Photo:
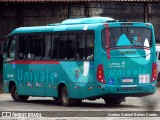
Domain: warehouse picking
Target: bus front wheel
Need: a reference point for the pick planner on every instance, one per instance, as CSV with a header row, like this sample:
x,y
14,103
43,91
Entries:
x,y
66,101
16,97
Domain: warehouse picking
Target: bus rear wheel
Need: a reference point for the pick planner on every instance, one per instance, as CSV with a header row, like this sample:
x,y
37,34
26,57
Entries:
x,y
16,97
65,100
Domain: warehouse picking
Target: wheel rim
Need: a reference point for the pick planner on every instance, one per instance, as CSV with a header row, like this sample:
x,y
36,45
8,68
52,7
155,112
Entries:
x,y
16,94
65,97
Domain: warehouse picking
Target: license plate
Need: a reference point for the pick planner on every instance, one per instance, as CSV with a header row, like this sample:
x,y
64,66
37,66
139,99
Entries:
x,y
144,78
127,80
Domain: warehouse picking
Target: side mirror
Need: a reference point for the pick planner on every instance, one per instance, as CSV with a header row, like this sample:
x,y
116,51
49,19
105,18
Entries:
x,y
4,47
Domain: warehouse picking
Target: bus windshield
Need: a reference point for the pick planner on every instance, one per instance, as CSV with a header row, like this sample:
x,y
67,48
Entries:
x,y
126,36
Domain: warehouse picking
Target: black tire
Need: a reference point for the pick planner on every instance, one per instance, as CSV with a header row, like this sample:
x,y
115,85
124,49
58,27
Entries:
x,y
113,100
16,97
65,100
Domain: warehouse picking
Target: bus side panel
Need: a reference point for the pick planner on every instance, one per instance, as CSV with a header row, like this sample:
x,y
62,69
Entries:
x,y
50,89
52,72
86,79
79,75
21,83
29,76
87,83
36,79
69,74
57,78
74,91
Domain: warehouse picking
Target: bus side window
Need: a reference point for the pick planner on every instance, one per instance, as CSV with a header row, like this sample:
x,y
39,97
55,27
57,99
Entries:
x,y
89,47
54,48
63,46
38,48
34,47
71,47
80,52
47,47
22,47
30,48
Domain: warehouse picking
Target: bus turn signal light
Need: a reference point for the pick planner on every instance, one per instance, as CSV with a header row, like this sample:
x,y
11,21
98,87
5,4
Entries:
x,y
100,74
154,72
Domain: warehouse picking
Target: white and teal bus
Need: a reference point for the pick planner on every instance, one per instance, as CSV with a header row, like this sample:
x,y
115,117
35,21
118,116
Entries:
x,y
85,58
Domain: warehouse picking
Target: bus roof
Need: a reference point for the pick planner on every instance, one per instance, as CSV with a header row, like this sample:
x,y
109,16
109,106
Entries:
x,y
75,24
91,20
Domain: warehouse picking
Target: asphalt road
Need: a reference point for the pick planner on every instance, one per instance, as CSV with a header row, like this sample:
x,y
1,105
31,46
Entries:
x,y
48,108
